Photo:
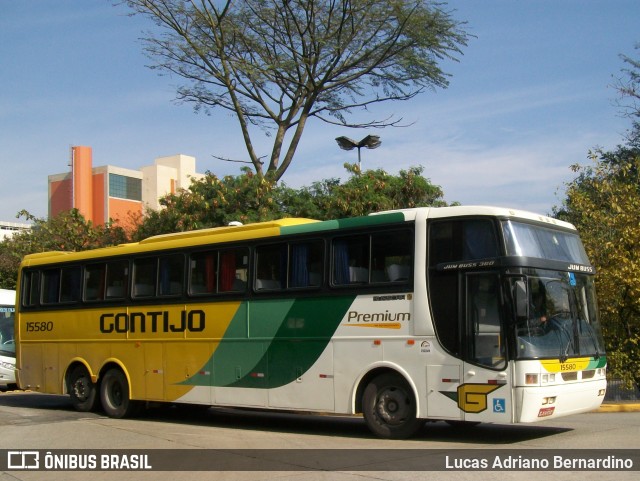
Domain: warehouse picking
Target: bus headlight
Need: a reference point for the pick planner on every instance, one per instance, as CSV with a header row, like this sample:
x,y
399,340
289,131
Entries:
x,y
531,378
546,378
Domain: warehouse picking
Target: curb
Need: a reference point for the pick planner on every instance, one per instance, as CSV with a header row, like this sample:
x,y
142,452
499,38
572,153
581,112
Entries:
x,y
619,408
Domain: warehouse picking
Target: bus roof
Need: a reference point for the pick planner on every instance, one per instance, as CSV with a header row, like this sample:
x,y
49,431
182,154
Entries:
x,y
279,227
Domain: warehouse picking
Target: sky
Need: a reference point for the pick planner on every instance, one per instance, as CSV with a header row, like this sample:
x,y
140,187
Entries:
x,y
530,96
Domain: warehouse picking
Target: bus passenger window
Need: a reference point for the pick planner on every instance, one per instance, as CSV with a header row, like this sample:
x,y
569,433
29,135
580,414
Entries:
x,y
30,288
233,270
144,277
94,282
271,267
306,264
171,275
203,275
117,279
50,286
70,284
391,258
351,260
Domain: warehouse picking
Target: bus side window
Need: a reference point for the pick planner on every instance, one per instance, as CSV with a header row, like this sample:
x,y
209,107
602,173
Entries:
x,y
50,286
392,258
306,264
117,279
30,288
351,260
94,282
144,277
234,267
271,262
171,275
70,284
203,273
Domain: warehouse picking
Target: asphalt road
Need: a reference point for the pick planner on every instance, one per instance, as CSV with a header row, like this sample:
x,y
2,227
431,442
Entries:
x,y
31,421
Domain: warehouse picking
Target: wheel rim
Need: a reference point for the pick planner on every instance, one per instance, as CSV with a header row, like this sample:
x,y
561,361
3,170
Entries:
x,y
393,406
81,389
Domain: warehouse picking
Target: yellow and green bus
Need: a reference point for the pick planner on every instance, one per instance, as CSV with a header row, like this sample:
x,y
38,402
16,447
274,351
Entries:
x,y
460,314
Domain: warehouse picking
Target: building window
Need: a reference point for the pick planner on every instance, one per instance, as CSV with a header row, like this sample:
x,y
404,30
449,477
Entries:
x,y
125,187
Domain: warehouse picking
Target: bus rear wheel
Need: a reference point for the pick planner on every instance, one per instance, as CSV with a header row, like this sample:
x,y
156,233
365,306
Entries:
x,y
389,407
83,392
114,395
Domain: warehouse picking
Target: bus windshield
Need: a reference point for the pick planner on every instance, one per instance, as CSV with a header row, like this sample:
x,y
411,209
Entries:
x,y
527,240
562,318
7,343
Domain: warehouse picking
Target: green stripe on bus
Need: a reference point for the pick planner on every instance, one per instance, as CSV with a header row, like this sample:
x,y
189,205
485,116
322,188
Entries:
x,y
366,221
283,342
598,362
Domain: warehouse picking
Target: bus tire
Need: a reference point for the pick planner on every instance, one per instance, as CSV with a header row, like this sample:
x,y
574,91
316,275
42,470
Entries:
x,y
82,391
389,407
114,395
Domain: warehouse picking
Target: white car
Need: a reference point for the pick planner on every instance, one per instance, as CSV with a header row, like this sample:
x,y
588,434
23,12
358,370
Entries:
x,y
7,341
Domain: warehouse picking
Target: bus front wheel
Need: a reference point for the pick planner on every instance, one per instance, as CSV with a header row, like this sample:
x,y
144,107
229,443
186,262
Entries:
x,y
389,407
114,395
83,392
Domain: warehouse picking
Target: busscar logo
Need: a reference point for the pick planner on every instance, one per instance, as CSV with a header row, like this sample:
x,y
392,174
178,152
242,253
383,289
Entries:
x,y
23,460
472,398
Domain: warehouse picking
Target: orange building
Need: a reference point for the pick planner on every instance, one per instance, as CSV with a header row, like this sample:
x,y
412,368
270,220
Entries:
x,y
109,192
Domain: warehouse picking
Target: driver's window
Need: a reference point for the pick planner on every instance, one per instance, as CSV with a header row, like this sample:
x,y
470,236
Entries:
x,y
485,344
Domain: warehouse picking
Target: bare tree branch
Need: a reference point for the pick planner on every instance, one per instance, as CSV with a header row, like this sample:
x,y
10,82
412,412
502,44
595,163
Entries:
x,y
276,64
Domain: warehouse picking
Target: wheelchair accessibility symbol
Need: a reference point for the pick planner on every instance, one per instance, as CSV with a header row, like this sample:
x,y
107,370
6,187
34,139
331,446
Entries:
x,y
499,405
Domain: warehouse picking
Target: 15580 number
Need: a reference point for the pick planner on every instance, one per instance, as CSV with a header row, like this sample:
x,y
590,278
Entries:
x,y
42,326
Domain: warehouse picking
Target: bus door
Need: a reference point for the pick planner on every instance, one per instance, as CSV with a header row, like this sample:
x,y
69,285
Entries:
x,y
485,390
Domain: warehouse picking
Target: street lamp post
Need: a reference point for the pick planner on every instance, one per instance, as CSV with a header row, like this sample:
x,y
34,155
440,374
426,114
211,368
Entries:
x,y
370,142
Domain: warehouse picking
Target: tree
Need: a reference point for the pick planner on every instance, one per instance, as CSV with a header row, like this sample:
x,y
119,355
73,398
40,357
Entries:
x,y
365,192
214,202
277,64
628,88
247,198
603,202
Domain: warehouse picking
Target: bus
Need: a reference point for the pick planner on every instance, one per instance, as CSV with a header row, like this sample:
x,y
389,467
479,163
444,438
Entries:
x,y
7,341
459,314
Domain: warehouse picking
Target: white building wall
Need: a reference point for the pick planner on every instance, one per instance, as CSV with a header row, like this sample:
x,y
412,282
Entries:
x,y
157,179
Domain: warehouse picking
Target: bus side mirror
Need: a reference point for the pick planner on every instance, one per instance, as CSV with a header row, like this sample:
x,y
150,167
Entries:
x,y
521,297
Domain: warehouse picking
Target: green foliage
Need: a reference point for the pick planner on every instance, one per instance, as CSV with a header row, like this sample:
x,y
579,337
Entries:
x,y
213,202
369,191
248,198
603,202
